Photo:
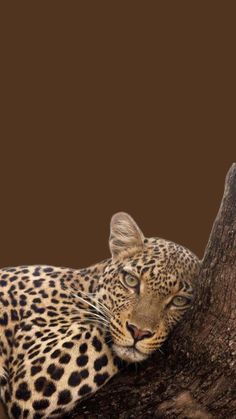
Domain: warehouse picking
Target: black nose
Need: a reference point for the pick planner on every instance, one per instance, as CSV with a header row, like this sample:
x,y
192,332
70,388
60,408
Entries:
x,y
138,334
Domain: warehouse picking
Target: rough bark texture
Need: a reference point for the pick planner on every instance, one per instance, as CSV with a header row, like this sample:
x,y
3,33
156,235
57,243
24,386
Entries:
x,y
195,376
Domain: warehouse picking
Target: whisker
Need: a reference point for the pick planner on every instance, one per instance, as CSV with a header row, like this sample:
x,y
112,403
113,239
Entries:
x,y
96,301
91,313
109,341
98,318
87,302
96,322
91,296
94,316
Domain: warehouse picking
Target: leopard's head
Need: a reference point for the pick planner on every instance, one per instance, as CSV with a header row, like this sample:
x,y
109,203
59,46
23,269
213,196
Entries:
x,y
148,285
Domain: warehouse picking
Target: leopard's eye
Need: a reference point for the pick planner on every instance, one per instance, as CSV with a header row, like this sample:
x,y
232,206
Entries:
x,y
131,281
180,301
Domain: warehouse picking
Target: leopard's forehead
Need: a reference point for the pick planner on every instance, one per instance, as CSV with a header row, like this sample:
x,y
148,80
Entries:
x,y
161,261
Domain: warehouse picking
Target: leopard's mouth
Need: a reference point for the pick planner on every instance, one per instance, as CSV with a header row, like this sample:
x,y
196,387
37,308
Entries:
x,y
129,353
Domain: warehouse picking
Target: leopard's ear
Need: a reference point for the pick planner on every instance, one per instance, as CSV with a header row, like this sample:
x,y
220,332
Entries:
x,y
124,234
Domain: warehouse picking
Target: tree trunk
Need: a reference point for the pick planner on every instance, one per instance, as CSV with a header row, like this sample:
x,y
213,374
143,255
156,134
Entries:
x,y
195,376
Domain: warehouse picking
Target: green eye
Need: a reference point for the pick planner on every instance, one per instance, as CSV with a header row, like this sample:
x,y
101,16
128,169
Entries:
x,y
180,301
131,281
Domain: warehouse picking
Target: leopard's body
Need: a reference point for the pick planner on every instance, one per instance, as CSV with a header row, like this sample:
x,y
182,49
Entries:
x,y
63,332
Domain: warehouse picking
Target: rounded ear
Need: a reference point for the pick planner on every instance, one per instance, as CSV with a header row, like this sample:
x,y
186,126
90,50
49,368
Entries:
x,y
124,234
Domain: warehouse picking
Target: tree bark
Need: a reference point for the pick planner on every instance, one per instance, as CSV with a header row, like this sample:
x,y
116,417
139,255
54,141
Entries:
x,y
195,375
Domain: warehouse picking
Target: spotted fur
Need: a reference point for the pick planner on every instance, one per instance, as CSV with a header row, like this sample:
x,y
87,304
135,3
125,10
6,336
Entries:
x,y
64,332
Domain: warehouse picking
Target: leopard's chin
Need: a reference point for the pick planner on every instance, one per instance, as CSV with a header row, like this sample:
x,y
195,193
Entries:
x,y
128,353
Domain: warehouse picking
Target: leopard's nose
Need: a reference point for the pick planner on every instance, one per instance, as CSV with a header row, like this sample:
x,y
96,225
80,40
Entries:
x,y
138,334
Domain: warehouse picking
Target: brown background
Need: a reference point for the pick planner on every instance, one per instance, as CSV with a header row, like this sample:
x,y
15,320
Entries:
x,y
107,107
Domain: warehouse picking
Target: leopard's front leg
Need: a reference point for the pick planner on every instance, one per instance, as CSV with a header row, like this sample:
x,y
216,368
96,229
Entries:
x,y
51,382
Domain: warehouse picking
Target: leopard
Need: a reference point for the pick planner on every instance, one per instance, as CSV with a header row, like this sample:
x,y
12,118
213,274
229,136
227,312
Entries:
x,y
64,333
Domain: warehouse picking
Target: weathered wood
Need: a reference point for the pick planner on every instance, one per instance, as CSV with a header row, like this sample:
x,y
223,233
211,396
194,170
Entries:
x,y
195,376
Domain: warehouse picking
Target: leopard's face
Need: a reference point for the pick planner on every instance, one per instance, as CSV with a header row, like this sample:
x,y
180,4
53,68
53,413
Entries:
x,y
148,287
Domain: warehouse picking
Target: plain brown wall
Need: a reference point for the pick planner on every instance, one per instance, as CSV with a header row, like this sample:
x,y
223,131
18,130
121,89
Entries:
x,y
113,106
